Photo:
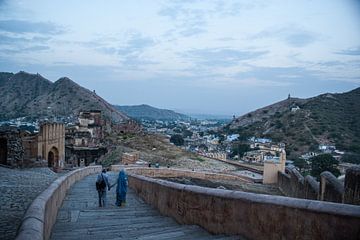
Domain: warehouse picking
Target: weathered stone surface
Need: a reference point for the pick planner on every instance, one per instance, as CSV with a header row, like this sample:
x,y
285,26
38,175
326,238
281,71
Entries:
x,y
45,207
311,188
254,216
330,188
352,186
18,189
81,218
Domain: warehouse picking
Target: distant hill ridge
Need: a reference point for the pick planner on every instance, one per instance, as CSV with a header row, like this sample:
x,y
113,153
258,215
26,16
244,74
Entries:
x,y
144,111
325,119
31,95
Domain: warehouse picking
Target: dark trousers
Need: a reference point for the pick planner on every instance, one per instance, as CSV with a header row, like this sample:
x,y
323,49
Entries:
x,y
102,198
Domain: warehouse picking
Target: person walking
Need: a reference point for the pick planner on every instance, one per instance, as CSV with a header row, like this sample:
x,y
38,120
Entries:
x,y
121,189
102,184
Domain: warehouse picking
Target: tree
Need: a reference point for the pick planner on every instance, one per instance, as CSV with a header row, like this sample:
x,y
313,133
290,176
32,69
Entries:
x,y
324,162
177,139
239,149
187,133
351,158
300,163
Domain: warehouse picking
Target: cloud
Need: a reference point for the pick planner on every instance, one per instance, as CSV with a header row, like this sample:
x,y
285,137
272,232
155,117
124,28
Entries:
x,y
277,76
235,8
187,20
132,52
300,39
136,44
13,45
221,56
292,36
21,27
350,51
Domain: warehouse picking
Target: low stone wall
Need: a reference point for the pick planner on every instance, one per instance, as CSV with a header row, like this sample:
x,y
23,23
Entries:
x,y
172,172
293,184
330,188
352,186
254,216
41,215
311,188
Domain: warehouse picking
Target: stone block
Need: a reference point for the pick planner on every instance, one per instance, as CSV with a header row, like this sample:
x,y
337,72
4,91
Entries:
x,y
352,186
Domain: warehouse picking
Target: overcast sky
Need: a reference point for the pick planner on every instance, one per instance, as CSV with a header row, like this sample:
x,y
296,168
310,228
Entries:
x,y
220,57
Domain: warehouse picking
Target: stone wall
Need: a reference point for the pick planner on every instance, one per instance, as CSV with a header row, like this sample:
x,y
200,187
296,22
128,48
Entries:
x,y
13,149
331,189
352,186
171,172
254,216
41,215
293,184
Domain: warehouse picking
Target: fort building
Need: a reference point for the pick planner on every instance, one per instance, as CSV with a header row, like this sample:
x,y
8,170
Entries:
x,y
24,149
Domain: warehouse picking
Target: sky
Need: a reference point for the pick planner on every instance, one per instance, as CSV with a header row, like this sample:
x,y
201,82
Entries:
x,y
212,56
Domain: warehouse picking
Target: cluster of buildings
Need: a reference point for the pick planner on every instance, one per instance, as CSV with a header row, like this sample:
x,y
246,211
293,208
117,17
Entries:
x,y
57,143
263,150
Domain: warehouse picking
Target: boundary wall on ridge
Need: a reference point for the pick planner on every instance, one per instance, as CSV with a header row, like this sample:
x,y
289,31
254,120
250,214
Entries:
x,y
173,172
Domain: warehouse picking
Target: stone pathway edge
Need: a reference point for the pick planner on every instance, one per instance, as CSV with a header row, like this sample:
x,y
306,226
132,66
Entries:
x,y
41,215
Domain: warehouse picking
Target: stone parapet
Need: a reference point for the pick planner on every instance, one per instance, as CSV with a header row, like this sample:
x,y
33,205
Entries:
x,y
254,216
352,186
171,172
41,215
330,188
311,188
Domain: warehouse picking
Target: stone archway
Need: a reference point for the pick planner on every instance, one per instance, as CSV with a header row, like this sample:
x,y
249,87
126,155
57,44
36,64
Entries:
x,y
3,151
53,157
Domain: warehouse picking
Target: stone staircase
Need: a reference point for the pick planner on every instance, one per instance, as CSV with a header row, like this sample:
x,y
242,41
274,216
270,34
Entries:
x,y
81,218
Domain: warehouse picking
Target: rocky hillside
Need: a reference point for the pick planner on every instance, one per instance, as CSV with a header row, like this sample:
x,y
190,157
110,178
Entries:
x,y
325,119
151,113
31,95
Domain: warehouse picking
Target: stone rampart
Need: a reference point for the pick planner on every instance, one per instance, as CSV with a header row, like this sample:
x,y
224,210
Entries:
x,y
254,216
311,188
330,188
41,215
171,172
352,186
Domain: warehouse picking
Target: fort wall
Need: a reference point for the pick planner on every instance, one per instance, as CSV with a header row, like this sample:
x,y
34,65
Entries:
x,y
254,216
41,215
293,184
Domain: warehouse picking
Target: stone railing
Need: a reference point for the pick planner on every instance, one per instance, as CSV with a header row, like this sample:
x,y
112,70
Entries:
x,y
173,172
41,215
293,184
254,216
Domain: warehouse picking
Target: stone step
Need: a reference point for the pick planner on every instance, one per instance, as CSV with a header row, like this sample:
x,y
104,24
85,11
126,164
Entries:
x,y
81,218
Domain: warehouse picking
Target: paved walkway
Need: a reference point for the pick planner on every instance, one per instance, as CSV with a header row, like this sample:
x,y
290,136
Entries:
x,y
18,188
81,218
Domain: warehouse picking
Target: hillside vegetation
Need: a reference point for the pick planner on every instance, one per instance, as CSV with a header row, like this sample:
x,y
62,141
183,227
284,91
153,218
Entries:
x,y
151,113
325,119
31,95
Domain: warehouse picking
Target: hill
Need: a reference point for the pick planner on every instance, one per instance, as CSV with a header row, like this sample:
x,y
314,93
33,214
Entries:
x,y
31,95
151,113
325,119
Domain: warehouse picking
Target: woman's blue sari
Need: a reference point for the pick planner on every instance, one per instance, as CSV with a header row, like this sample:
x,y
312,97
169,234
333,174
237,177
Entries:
x,y
121,188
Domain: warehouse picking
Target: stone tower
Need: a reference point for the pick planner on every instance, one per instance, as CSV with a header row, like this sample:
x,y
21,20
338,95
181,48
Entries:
x,y
272,167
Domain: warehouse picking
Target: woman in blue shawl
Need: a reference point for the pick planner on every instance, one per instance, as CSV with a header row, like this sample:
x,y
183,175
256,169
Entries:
x,y
121,188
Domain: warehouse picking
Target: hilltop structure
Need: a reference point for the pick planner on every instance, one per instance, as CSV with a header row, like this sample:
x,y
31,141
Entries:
x,y
84,141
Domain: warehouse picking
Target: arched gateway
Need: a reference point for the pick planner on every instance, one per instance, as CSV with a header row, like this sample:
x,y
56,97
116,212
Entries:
x,y
3,151
53,157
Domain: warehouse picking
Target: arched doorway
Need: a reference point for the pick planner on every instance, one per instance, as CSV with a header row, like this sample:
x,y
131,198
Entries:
x,y
53,157
3,151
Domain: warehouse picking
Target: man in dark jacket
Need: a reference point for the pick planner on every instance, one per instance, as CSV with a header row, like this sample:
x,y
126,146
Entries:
x,y
102,184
